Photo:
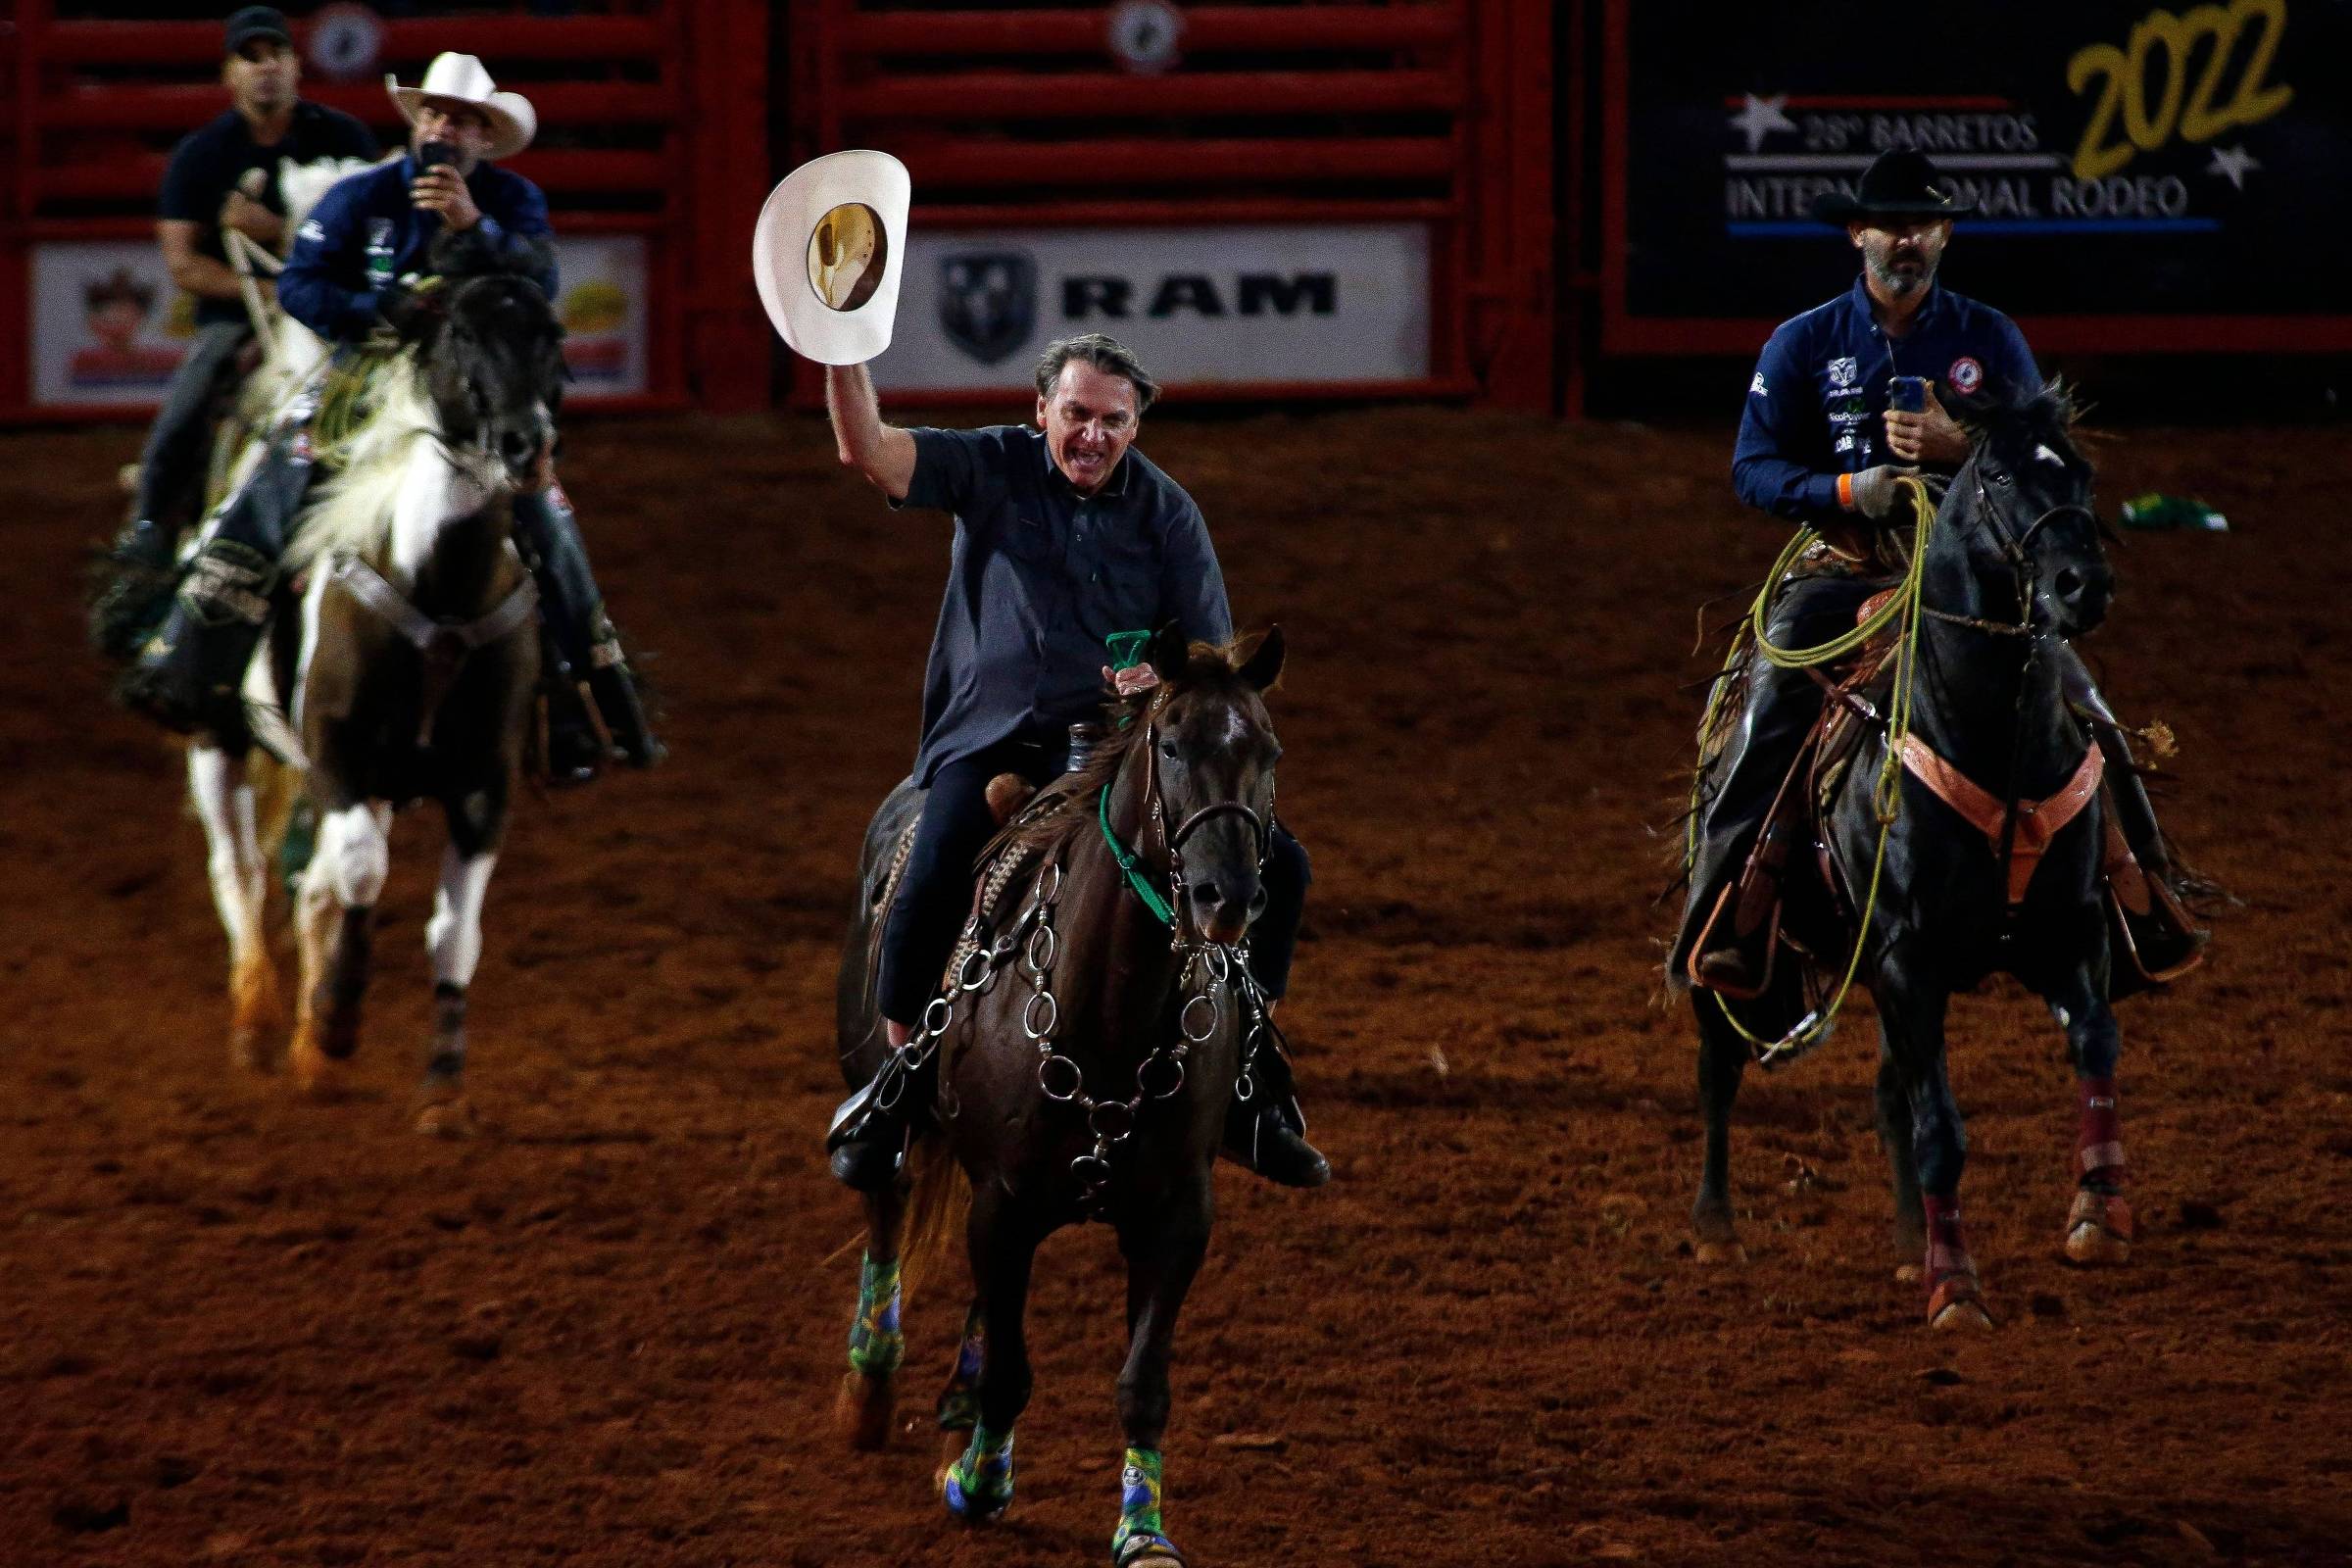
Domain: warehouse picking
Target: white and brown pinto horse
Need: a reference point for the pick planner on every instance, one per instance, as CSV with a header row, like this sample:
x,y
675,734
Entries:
x,y
409,675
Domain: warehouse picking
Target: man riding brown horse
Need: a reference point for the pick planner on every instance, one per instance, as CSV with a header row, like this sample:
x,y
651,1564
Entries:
x,y
1065,535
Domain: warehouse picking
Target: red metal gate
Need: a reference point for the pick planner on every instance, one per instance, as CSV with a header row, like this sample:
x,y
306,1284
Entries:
x,y
1020,126
644,110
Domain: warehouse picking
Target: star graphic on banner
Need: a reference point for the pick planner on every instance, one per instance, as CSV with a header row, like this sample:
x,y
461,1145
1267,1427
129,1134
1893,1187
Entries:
x,y
2232,163
1761,117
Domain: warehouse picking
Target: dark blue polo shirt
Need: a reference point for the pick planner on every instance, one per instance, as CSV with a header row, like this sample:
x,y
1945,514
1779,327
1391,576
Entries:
x,y
1817,402
1039,575
209,162
326,284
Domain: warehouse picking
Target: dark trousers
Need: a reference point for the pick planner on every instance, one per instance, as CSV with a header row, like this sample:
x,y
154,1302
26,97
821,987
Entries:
x,y
935,892
1782,705
172,465
578,633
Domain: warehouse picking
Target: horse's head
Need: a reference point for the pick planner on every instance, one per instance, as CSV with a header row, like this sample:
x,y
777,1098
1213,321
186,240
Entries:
x,y
489,352
1212,756
2024,494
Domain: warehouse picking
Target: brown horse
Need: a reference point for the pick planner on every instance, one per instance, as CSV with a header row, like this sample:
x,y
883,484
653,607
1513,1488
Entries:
x,y
418,659
1091,1046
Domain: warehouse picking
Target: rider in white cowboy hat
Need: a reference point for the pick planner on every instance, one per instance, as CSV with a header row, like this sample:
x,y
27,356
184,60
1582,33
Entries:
x,y
368,231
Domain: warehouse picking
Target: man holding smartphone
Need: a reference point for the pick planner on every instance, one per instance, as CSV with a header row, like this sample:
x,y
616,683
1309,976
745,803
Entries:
x,y
1843,404
361,238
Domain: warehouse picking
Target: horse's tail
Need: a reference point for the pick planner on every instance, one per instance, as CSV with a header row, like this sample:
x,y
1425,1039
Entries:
x,y
936,1211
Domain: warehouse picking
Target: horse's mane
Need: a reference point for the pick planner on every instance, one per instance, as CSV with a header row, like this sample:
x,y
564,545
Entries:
x,y
2049,409
352,511
1207,666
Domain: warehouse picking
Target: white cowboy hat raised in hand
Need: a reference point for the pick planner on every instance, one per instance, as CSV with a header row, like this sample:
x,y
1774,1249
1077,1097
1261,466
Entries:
x,y
827,254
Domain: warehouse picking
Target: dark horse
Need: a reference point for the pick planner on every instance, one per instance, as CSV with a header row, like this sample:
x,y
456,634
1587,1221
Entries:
x,y
1993,858
1091,1046
418,659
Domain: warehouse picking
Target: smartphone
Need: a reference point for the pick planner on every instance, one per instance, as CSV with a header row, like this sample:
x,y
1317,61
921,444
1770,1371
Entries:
x,y
1907,394
436,152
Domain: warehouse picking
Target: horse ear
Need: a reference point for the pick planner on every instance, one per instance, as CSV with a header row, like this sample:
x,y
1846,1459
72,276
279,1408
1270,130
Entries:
x,y
1263,667
1170,654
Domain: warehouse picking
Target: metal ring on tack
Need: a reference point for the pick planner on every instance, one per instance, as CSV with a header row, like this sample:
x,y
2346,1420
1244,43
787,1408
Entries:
x,y
1044,936
1174,1066
1045,1079
937,1016
1183,1019
1214,958
1244,1088
965,980
1029,1015
1111,1121
1090,1171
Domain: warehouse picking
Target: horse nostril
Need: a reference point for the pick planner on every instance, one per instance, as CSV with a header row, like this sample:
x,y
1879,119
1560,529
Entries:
x,y
517,446
1207,894
1257,901
2070,583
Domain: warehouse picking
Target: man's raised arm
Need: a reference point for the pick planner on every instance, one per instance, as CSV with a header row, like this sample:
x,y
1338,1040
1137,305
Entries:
x,y
883,452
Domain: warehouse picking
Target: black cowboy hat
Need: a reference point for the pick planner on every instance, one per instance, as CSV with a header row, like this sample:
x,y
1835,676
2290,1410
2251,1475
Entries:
x,y
1898,184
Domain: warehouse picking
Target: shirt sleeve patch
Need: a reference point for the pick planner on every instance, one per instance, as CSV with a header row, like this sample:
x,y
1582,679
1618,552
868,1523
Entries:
x,y
1757,388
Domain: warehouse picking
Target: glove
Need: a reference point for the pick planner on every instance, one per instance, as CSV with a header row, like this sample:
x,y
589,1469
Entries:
x,y
1873,492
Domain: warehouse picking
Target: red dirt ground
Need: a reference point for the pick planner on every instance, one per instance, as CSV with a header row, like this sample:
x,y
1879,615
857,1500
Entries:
x,y
241,1329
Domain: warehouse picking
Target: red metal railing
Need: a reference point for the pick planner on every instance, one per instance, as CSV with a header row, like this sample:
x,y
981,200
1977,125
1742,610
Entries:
x,y
1436,112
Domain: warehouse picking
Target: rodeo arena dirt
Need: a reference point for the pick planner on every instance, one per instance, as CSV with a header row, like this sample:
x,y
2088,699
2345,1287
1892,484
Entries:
x,y
261,1309
608,1328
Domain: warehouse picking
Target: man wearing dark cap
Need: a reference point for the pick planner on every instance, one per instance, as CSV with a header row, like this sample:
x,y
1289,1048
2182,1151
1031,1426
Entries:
x,y
224,176
1822,444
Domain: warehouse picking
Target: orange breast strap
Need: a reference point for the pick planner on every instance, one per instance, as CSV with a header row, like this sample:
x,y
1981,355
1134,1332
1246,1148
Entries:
x,y
2037,821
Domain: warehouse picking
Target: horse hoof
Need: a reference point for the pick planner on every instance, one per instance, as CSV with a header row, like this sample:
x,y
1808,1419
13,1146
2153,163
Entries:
x,y
865,1407
1719,1255
316,1075
252,1049
971,1507
2098,1231
1962,1317
450,1118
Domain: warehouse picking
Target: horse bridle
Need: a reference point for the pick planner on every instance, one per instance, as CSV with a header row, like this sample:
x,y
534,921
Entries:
x,y
2014,547
1260,827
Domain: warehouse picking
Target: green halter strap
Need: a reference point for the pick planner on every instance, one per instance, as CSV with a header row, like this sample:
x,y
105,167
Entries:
x,y
1127,652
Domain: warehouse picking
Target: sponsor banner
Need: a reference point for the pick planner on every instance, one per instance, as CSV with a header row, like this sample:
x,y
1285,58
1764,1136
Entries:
x,y
109,327
2184,164
1338,304
601,298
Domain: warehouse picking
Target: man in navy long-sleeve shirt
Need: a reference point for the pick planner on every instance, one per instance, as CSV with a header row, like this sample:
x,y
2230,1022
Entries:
x,y
1065,535
367,232
1820,445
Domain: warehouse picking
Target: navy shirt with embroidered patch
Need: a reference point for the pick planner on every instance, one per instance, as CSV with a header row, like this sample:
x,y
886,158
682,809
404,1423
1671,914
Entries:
x,y
1817,404
326,285
209,162
1039,575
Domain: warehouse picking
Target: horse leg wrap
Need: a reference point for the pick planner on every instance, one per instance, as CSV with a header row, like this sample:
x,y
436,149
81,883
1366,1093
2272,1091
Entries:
x,y
876,1344
979,1486
959,1401
447,1059
1951,1274
2099,1136
1140,1489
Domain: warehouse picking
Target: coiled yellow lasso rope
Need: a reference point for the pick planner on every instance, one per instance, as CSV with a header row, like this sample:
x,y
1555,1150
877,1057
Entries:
x,y
1903,608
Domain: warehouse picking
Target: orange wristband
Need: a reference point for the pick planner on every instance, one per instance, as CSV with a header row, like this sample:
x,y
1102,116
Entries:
x,y
1846,491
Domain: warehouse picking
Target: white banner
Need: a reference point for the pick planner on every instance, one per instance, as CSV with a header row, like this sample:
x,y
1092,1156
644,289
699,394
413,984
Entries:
x,y
601,298
109,327
1334,303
